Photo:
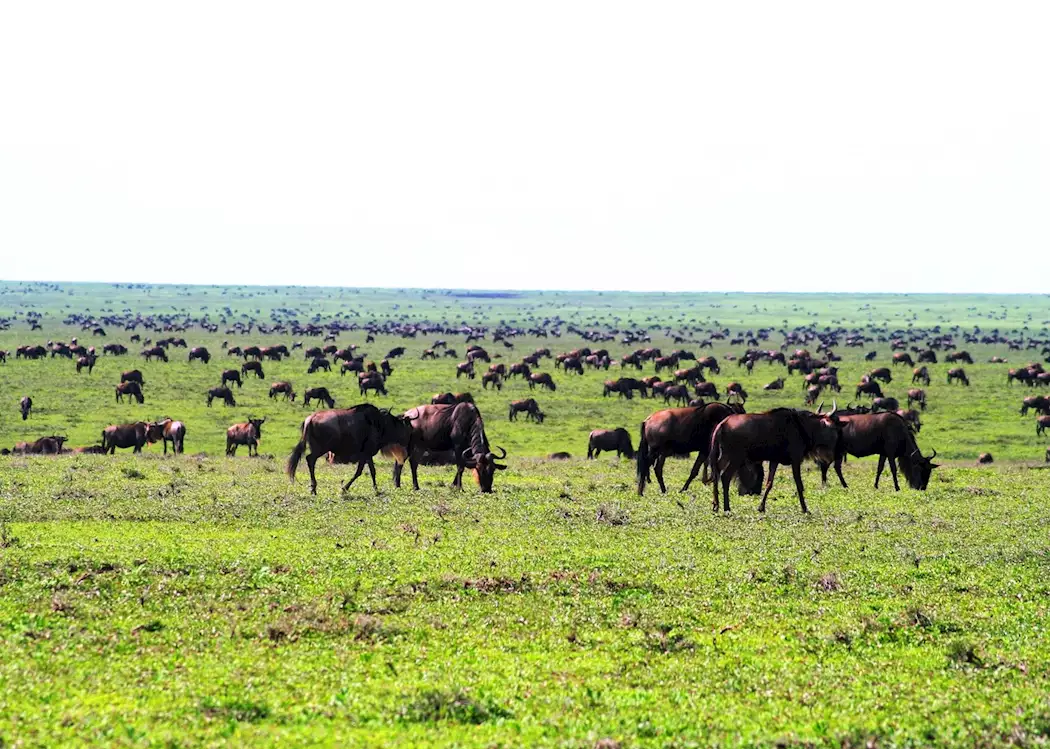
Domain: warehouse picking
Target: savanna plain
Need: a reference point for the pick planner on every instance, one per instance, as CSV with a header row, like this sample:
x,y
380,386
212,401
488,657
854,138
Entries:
x,y
200,599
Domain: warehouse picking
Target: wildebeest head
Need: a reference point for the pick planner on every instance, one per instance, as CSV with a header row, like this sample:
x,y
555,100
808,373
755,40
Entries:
x,y
485,467
920,469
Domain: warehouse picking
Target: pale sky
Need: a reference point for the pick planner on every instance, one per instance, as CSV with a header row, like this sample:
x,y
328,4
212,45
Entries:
x,y
780,146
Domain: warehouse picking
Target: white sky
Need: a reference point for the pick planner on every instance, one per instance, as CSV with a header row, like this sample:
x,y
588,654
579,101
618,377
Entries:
x,y
893,146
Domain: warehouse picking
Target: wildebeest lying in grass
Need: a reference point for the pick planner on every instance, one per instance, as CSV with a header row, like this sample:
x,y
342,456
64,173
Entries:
x,y
459,428
527,406
610,440
888,436
248,433
130,389
222,392
124,436
44,446
25,406
165,431
783,436
351,435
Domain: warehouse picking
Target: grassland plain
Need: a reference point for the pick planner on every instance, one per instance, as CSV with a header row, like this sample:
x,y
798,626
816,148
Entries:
x,y
205,600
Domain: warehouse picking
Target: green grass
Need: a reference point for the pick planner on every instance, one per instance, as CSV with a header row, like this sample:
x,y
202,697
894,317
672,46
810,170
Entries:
x,y
204,600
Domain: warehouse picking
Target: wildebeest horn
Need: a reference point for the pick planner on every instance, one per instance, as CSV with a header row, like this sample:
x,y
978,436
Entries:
x,y
500,457
834,406
934,455
820,407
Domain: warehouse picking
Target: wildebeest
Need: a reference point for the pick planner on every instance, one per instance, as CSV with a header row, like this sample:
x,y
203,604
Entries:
x,y
963,356
783,436
458,428
903,358
371,381
396,352
44,446
957,375
1041,424
491,378
25,406
465,368
888,436
529,407
221,392
624,386
706,390
199,353
869,388
85,361
917,395
812,393
543,379
253,366
610,440
319,394
231,375
133,375
559,456
114,348
521,368
247,433
733,389
124,436
317,363
679,393
920,374
351,435
385,368
985,458
885,404
451,398
911,417
678,432
354,365
131,389
1038,403
166,430
882,373
155,352
777,384
282,388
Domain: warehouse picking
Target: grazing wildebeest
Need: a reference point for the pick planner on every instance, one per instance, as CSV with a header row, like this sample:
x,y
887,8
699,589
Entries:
x,y
903,358
124,436
166,430
131,389
396,352
248,433
429,354
885,404
917,395
783,436
25,406
692,374
777,384
521,368
958,374
44,446
253,351
458,428
963,356
733,388
319,394
371,381
155,352
133,375
231,375
911,416
317,363
465,368
543,379
1041,424
679,393
1024,375
869,388
253,366
351,435
491,378
888,436
920,374
706,390
624,386
85,361
385,368
354,365
285,388
871,356
199,353
679,432
221,392
882,373
610,440
1039,403
529,407
235,351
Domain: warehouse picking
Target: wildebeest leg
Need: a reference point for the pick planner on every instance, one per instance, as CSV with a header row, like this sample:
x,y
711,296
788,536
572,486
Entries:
x,y
878,471
413,464
311,460
796,471
769,485
700,458
823,474
838,470
893,472
360,468
372,470
658,469
397,474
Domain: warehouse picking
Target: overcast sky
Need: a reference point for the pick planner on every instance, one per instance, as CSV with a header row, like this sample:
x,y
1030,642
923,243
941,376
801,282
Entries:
x,y
895,146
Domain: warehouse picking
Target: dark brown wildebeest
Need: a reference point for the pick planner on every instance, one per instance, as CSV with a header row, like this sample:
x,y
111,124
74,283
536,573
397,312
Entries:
x,y
124,436
783,436
677,432
958,374
1024,375
903,358
624,387
491,378
396,352
317,363
911,416
133,375
1041,424
231,375
131,389
44,446
85,361
90,450
812,393
871,356
354,365
157,352
285,388
920,374
253,366
465,368
885,404
25,406
476,353
429,354
1039,403
459,428
385,368
888,436
351,435
734,389
543,379
927,356
572,364
442,399
371,367
678,393
253,351
692,374
997,360
371,381
248,433
610,440
665,362
521,368
706,390
917,395
869,388
529,407
200,353
777,384
166,430
221,392
235,351
882,373
957,356
313,352
559,456
985,459
318,394
274,353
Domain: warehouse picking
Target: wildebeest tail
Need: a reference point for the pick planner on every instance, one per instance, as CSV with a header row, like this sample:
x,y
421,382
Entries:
x,y
714,456
297,453
642,457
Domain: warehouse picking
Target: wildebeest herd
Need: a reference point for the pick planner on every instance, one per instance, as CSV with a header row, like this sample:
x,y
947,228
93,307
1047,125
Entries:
x,y
728,441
